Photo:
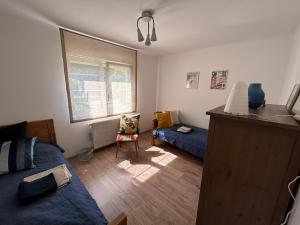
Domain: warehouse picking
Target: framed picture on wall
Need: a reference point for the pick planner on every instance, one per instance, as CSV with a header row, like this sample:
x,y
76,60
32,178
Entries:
x,y
192,80
218,79
293,97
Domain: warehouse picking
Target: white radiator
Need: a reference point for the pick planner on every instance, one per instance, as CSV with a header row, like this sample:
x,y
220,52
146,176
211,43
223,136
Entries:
x,y
104,133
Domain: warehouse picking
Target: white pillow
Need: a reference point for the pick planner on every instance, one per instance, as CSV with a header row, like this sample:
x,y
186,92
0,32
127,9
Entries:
x,y
175,117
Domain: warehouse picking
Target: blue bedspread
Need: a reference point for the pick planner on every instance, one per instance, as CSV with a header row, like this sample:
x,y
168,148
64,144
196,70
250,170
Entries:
x,y
193,142
70,205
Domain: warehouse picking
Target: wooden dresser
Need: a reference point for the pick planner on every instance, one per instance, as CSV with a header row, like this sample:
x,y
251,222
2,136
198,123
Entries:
x,y
247,167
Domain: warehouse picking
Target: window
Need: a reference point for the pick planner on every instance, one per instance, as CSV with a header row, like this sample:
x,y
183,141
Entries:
x,y
100,77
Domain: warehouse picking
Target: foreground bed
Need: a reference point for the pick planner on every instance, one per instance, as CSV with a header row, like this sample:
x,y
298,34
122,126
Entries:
x,y
70,205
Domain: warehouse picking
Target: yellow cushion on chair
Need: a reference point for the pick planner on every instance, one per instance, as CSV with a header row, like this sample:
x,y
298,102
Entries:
x,y
163,119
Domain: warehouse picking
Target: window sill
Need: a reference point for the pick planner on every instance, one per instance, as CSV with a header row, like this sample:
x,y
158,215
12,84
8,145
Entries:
x,y
96,120
104,119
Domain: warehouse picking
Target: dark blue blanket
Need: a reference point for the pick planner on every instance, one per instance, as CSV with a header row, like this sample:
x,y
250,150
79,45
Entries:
x,y
70,205
193,142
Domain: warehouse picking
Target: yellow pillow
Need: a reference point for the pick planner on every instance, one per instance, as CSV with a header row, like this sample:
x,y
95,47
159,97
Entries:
x,y
163,119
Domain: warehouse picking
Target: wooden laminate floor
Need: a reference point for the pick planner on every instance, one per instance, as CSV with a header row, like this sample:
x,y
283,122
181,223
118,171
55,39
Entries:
x,y
161,187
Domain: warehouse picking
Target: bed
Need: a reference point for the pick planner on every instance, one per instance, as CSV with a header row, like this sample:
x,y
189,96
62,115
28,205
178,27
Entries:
x,y
193,142
70,205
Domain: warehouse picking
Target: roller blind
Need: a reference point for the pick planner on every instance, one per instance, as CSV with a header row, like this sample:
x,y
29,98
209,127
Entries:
x,y
100,77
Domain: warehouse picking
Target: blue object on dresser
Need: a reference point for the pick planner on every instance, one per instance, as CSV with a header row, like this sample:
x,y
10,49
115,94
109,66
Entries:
x,y
69,205
193,142
256,95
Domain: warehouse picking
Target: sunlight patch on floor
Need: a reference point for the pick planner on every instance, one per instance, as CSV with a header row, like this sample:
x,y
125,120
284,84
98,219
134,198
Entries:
x,y
147,174
124,164
143,171
164,158
138,169
155,148
167,159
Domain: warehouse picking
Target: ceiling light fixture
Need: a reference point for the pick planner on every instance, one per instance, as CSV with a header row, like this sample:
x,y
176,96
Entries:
x,y
146,17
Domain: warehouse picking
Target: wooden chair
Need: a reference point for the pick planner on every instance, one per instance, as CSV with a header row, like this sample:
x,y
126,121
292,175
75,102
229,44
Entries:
x,y
127,138
129,131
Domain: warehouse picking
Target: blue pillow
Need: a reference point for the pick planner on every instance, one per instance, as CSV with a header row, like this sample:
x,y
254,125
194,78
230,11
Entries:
x,y
13,132
30,191
16,155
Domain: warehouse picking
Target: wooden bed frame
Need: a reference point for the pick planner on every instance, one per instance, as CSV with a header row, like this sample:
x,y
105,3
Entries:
x,y
42,129
121,219
45,132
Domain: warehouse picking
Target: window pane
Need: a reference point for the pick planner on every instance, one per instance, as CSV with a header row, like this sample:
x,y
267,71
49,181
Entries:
x,y
120,98
101,77
87,90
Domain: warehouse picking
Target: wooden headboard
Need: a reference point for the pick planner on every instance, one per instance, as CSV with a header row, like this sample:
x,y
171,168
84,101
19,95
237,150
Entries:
x,y
42,129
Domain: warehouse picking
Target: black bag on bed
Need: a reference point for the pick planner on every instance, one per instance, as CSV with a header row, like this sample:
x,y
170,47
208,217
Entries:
x,y
30,191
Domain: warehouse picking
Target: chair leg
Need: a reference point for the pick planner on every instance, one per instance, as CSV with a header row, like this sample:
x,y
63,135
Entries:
x,y
153,141
118,146
136,149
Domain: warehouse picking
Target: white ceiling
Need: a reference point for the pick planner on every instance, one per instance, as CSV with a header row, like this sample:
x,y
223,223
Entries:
x,y
180,24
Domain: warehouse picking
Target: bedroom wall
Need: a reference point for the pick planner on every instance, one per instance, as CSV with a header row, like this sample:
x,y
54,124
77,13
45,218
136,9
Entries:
x,y
262,60
293,69
32,83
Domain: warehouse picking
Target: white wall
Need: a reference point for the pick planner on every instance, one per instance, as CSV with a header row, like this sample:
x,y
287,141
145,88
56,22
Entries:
x,y
293,69
262,60
32,83
146,89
